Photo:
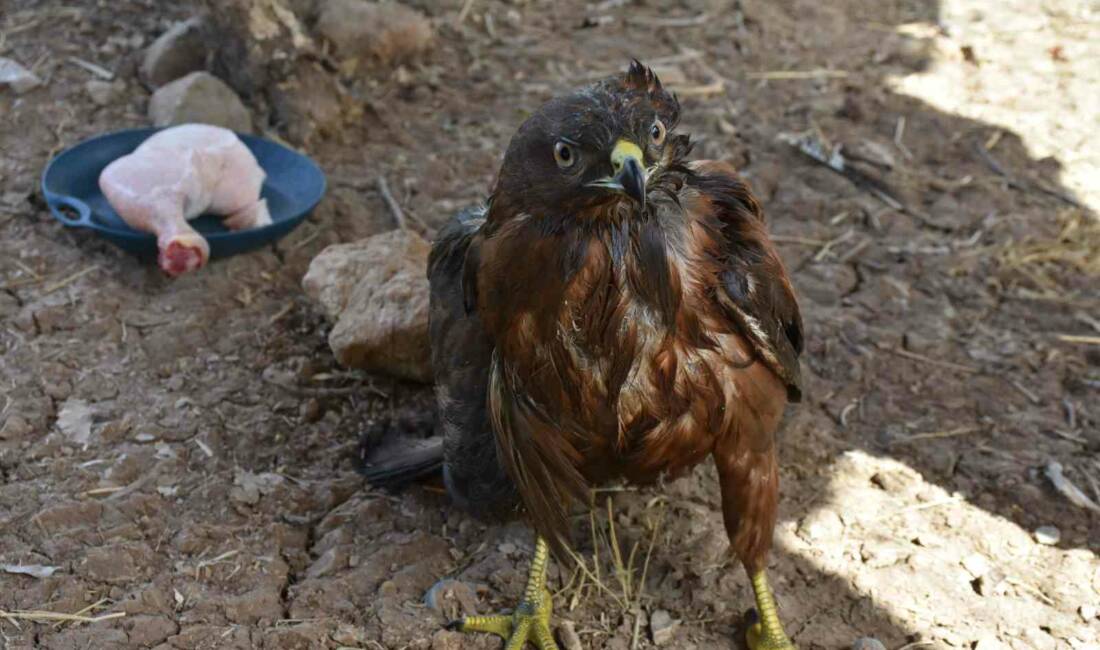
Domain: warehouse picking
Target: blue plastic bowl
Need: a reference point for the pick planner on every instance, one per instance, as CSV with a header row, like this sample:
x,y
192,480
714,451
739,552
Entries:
x,y
293,187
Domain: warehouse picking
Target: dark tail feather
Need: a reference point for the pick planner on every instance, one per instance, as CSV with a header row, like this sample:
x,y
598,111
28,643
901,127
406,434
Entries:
x,y
401,461
396,450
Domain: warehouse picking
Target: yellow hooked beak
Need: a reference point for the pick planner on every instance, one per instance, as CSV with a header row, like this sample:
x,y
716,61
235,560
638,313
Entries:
x,y
629,178
627,161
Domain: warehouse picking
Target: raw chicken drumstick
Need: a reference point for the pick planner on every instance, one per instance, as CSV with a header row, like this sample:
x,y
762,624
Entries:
x,y
179,174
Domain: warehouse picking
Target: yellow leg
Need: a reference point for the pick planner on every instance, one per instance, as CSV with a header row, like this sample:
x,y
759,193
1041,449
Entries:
x,y
530,622
767,633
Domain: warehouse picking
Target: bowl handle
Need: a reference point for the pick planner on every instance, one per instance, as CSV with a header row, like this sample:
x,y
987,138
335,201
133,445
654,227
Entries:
x,y
83,210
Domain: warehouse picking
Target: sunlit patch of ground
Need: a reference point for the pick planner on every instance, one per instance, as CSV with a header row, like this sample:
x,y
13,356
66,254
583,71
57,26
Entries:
x,y
962,588
1029,67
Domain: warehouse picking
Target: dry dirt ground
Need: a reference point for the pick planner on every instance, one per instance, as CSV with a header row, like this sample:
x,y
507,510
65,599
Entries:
x,y
214,502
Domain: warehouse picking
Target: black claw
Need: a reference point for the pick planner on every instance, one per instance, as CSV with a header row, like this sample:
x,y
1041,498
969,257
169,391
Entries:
x,y
752,617
455,625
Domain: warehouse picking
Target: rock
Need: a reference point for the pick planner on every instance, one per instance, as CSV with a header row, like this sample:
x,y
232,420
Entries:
x,y
388,32
567,635
376,290
75,421
199,97
177,52
248,487
452,598
1048,535
34,570
662,627
330,562
103,92
867,643
821,525
16,77
312,103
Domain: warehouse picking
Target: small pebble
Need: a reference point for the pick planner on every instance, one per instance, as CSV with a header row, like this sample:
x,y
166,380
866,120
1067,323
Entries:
x,y
661,626
310,410
868,643
567,634
103,92
1048,535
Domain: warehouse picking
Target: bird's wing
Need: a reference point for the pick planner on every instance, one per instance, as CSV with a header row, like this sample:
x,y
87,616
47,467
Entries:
x,y
462,354
753,287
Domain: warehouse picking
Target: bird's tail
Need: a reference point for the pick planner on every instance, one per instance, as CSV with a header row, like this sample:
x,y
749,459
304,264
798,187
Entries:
x,y
392,454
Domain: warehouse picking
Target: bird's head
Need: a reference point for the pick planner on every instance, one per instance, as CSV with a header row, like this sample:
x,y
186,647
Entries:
x,y
591,151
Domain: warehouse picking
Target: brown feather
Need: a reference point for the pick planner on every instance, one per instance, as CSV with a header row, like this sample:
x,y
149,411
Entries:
x,y
627,343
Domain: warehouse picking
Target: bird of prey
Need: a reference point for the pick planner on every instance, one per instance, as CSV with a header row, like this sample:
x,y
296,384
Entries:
x,y
613,311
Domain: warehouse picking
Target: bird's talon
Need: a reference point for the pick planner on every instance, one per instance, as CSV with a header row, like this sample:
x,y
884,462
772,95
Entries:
x,y
757,638
529,624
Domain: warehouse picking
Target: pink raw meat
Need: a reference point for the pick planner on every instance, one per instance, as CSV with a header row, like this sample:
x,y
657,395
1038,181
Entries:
x,y
179,174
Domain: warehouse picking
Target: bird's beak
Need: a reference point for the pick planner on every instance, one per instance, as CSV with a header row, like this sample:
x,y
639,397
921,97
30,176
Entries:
x,y
626,160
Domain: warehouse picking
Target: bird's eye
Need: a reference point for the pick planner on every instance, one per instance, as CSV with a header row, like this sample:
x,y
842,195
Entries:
x,y
564,155
657,132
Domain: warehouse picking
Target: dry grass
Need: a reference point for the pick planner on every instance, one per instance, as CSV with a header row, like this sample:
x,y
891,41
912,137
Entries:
x,y
1075,248
618,575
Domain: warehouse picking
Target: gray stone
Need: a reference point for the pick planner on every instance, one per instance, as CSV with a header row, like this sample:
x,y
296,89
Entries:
x,y
177,52
867,643
376,291
388,32
201,98
16,77
103,92
662,627
452,598
1048,535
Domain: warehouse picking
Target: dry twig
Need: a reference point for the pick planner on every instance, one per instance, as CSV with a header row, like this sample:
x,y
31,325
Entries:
x,y
97,70
1066,488
783,75
391,203
930,435
1083,340
64,282
40,615
935,362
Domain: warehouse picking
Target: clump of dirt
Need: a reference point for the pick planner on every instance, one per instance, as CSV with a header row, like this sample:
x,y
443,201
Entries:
x,y
212,502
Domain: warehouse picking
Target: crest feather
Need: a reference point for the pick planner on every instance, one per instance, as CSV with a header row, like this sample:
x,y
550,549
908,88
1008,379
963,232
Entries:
x,y
642,77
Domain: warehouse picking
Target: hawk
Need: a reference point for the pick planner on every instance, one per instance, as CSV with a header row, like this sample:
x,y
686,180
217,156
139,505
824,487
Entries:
x,y
614,311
